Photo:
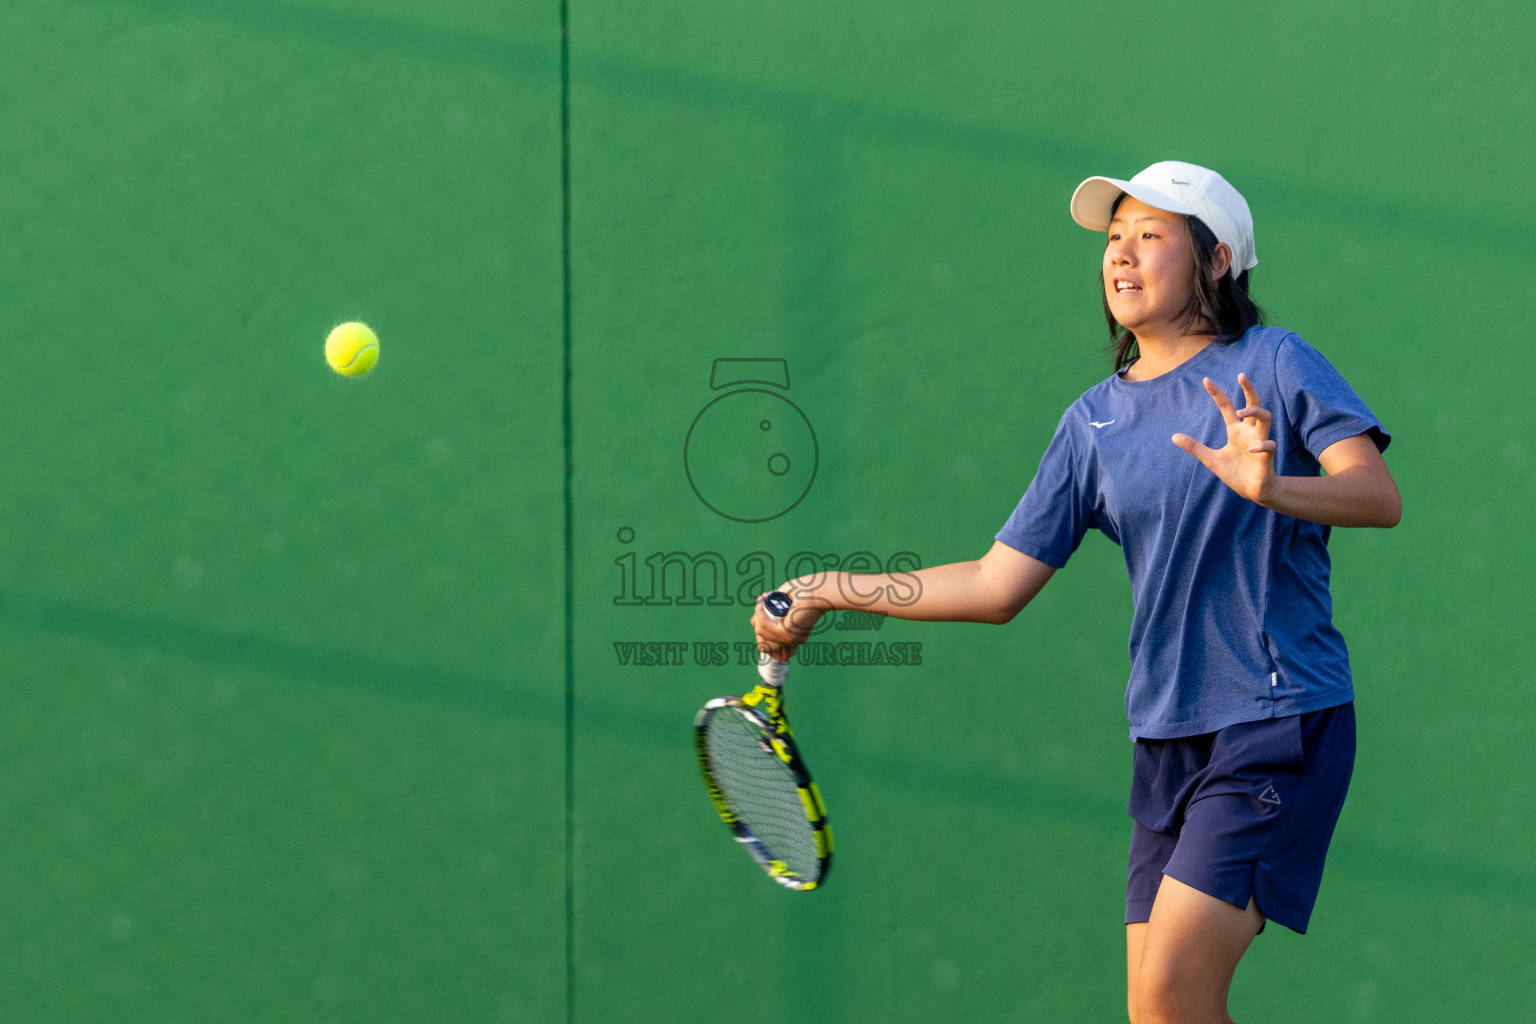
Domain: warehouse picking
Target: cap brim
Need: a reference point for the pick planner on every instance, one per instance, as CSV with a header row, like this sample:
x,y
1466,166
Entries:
x,y
1094,198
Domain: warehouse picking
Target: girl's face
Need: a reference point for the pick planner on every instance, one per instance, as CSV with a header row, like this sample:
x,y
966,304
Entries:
x,y
1149,268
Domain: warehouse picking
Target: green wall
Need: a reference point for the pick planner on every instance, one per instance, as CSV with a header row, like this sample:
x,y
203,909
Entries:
x,y
314,705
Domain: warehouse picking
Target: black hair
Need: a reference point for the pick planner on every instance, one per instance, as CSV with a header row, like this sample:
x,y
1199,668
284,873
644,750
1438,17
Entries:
x,y
1218,306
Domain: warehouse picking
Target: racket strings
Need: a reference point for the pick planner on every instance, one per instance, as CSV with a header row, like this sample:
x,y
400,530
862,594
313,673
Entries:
x,y
761,790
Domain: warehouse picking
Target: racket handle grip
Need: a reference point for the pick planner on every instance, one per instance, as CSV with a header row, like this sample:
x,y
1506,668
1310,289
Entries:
x,y
773,671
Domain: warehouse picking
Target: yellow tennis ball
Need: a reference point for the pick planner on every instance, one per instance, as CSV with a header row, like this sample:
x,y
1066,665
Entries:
x,y
352,349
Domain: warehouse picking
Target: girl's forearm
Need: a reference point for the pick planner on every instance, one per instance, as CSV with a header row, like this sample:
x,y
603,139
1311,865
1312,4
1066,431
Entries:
x,y
990,589
1357,496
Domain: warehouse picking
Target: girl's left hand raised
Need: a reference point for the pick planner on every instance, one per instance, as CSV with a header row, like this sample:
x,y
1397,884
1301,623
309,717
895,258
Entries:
x,y
1247,463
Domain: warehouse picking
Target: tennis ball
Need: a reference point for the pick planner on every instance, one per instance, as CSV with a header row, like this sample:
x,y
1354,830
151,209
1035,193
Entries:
x,y
352,349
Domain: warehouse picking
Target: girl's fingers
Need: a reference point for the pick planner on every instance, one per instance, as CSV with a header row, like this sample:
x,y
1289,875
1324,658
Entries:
x,y
1192,446
1249,392
1222,401
1254,409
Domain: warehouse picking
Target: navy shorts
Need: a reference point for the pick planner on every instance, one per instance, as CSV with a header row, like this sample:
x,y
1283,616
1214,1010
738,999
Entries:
x,y
1244,813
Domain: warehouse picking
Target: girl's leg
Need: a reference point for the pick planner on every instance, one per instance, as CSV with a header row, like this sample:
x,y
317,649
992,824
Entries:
x,y
1135,937
1189,950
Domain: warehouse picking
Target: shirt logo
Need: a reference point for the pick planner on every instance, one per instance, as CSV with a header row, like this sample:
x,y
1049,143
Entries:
x,y
1269,796
1100,426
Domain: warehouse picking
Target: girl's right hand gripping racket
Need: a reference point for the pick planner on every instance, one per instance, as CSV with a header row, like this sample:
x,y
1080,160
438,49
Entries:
x,y
757,779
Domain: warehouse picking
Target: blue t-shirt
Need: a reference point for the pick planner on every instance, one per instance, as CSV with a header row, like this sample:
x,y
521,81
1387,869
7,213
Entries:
x,y
1233,620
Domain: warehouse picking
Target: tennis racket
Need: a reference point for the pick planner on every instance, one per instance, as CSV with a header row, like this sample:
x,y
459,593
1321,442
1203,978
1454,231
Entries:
x,y
758,780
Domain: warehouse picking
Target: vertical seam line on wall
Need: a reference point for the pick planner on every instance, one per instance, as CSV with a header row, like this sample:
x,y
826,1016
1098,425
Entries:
x,y
567,422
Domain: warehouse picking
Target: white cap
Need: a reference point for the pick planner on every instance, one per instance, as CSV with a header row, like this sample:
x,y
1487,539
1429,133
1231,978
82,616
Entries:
x,y
1176,187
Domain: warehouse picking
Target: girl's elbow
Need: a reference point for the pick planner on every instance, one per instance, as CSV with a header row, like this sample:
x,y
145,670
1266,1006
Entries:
x,y
1002,614
1391,510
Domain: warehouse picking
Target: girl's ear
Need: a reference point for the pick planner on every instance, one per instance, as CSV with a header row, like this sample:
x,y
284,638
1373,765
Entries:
x,y
1223,261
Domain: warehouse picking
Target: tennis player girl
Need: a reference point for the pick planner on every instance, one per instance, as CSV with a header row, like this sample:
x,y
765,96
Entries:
x,y
1200,457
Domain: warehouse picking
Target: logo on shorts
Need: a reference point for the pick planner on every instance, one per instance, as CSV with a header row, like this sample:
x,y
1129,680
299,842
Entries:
x,y
1269,796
